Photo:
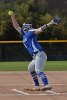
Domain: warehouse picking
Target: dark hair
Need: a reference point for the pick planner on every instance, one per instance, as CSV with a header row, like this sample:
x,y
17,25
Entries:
x,y
28,22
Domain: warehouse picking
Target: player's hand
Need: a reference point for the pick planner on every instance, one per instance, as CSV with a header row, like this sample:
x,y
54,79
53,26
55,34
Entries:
x,y
55,21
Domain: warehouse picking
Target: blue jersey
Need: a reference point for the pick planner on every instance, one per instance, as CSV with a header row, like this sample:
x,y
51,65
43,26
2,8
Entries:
x,y
30,41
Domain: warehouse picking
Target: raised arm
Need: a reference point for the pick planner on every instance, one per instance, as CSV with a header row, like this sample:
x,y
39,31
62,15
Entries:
x,y
42,28
15,24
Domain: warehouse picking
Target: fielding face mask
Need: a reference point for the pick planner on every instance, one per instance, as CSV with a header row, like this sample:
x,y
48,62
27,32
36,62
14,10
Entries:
x,y
26,27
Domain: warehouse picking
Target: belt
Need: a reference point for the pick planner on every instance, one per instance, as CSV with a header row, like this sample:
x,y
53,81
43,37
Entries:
x,y
37,52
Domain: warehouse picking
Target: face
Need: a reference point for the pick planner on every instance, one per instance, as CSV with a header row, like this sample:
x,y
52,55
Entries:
x,y
26,27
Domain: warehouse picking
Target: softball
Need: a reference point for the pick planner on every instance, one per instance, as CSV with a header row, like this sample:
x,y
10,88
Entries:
x,y
10,13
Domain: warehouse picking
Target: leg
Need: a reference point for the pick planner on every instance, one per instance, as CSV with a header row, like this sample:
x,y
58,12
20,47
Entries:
x,y
31,69
39,65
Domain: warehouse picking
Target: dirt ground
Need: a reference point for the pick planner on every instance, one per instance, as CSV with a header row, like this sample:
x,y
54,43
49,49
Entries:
x,y
13,85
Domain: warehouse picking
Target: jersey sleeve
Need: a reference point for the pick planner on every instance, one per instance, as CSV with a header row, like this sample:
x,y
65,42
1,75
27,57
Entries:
x,y
22,32
30,33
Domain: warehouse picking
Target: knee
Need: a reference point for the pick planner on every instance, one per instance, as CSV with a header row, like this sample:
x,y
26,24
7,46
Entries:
x,y
30,68
38,71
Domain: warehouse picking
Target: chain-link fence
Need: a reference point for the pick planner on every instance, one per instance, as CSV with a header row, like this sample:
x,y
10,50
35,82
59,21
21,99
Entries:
x,y
15,51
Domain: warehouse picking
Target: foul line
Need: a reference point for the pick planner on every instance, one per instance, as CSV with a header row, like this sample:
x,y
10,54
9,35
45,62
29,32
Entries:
x,y
48,91
53,92
21,92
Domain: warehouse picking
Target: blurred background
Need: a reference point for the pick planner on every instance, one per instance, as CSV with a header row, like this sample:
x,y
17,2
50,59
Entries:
x,y
39,12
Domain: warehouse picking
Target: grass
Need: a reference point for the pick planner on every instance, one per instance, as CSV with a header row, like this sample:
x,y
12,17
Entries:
x,y
56,66
22,66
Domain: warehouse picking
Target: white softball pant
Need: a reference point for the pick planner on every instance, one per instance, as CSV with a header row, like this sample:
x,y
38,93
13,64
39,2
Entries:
x,y
38,62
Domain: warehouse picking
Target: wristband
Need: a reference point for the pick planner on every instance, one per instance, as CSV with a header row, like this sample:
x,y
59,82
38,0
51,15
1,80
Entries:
x,y
44,27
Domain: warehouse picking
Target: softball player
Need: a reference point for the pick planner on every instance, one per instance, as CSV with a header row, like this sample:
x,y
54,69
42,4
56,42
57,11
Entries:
x,y
39,56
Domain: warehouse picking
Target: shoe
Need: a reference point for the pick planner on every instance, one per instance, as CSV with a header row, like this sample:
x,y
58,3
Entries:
x,y
36,88
47,87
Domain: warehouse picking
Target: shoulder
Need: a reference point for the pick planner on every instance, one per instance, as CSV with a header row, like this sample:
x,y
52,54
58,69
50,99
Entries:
x,y
22,32
30,33
31,30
